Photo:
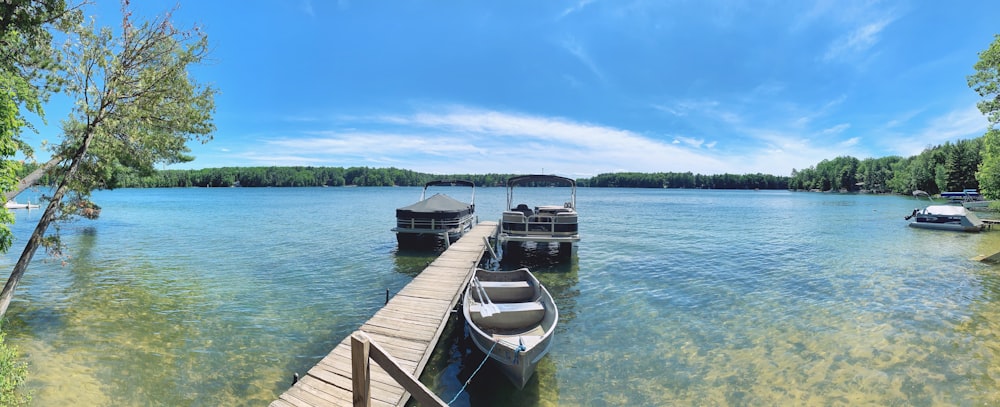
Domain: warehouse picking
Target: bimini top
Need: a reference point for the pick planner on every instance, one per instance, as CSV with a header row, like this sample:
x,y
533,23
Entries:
x,y
526,179
438,206
544,180
451,183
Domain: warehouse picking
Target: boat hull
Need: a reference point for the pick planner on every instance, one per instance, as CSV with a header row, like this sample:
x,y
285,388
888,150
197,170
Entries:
x,y
945,226
518,333
517,367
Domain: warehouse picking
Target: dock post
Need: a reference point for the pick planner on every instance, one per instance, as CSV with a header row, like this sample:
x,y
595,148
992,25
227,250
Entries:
x,y
360,369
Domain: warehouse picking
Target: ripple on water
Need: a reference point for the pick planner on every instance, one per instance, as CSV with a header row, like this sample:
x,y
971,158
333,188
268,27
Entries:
x,y
673,297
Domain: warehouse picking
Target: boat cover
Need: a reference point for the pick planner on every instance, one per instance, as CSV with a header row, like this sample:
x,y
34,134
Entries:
x,y
438,206
946,210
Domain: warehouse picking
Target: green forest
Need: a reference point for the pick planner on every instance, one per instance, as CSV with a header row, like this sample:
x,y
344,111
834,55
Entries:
x,y
948,167
377,177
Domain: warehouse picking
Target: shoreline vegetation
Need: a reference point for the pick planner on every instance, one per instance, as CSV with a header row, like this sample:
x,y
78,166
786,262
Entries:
x,y
307,176
946,167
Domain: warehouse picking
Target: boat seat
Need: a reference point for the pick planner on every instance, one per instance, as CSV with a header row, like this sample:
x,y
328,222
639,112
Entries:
x,y
511,315
508,291
523,208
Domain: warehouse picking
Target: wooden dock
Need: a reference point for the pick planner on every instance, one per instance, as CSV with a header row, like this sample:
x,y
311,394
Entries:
x,y
408,327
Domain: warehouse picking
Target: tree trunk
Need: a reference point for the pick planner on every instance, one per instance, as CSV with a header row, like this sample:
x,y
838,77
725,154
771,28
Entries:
x,y
50,213
29,180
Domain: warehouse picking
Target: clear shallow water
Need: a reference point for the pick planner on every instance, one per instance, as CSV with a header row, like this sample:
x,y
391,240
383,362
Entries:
x,y
215,296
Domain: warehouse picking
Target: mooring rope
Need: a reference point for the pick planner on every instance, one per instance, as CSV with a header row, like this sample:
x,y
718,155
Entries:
x,y
474,373
520,348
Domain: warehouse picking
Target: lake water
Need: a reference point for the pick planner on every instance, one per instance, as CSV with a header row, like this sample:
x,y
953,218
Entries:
x,y
214,297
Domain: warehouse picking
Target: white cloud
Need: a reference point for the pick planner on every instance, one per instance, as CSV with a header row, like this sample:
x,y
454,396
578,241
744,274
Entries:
x,y
840,128
853,141
458,140
579,5
580,53
696,143
959,124
856,42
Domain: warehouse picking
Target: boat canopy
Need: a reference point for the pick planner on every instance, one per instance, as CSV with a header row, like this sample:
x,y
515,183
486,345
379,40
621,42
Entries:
x,y
540,180
438,206
450,183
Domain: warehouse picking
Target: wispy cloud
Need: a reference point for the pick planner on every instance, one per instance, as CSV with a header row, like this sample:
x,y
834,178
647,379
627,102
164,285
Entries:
x,y
693,142
966,123
840,128
579,5
471,140
853,141
856,42
577,50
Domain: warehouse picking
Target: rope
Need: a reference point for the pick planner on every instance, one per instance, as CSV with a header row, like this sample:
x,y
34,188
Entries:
x,y
520,348
473,373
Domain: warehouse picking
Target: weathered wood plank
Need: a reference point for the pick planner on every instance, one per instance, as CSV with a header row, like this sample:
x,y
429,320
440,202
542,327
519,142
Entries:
x,y
295,401
407,330
339,375
407,316
281,403
405,302
337,380
387,319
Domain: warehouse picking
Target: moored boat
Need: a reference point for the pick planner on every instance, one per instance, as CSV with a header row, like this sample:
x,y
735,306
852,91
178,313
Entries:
x,y
15,205
971,199
439,216
511,318
945,217
543,223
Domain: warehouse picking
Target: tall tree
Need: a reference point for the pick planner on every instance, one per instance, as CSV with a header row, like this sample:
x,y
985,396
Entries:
x,y
986,82
136,107
27,75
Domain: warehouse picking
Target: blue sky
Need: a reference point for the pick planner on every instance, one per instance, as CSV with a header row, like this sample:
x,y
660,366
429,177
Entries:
x,y
579,88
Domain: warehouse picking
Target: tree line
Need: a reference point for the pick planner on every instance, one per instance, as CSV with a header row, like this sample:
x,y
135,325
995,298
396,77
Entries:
x,y
687,180
306,176
947,167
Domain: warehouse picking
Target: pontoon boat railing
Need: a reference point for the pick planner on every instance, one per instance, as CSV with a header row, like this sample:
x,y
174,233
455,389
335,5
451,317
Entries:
x,y
435,224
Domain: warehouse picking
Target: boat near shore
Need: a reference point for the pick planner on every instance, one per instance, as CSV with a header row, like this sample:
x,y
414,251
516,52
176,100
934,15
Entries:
x,y
15,205
945,217
511,318
971,199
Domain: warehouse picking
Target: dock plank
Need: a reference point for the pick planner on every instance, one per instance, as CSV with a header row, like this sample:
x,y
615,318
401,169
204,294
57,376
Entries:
x,y
408,327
